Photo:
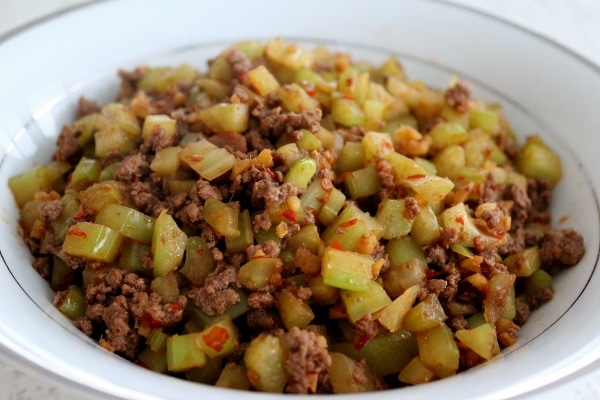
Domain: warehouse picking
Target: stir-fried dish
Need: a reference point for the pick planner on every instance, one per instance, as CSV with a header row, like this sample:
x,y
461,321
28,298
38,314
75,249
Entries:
x,y
294,221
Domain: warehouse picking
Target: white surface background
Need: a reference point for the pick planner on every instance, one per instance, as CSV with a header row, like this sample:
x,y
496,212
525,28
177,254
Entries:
x,y
573,23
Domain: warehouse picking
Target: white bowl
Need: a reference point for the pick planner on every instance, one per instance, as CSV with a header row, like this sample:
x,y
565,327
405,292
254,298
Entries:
x,y
544,89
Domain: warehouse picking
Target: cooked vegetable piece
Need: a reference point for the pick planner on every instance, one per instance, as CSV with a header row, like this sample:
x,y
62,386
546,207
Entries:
x,y
264,359
168,245
183,353
93,242
127,221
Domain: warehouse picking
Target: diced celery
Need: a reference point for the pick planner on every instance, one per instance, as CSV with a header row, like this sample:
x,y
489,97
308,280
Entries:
x,y
343,372
198,260
426,227
167,287
309,141
288,55
230,117
166,161
93,242
438,350
183,353
346,269
415,372
246,237
392,316
218,339
425,315
350,227
537,160
127,221
264,359
485,119
323,294
259,273
362,182
168,244
359,304
262,80
482,340
207,159
499,300
155,361
447,134
233,376
347,112
301,172
99,195
25,185
524,262
158,123
131,255
351,157
223,218
294,312
387,353
86,172
72,303
295,99
390,214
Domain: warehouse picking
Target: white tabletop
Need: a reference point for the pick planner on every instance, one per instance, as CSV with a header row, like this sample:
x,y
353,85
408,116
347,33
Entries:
x,y
572,23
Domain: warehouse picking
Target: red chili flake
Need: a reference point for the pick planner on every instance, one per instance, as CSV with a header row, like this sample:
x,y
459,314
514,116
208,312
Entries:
x,y
148,321
271,173
77,232
348,223
460,220
362,340
174,307
336,245
200,252
196,157
431,273
216,338
290,215
416,176
311,91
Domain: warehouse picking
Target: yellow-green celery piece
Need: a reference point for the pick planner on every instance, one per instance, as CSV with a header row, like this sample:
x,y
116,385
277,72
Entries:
x,y
168,244
93,242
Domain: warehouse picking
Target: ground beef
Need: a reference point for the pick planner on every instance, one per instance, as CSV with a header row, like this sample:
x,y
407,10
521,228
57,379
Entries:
x,y
262,320
521,204
43,266
514,243
458,97
272,192
150,311
240,64
273,122
436,254
51,210
146,199
120,336
68,147
261,300
86,106
458,322
204,190
507,144
129,81
561,248
132,168
411,208
269,248
261,222
306,357
522,311
490,190
217,294
540,194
